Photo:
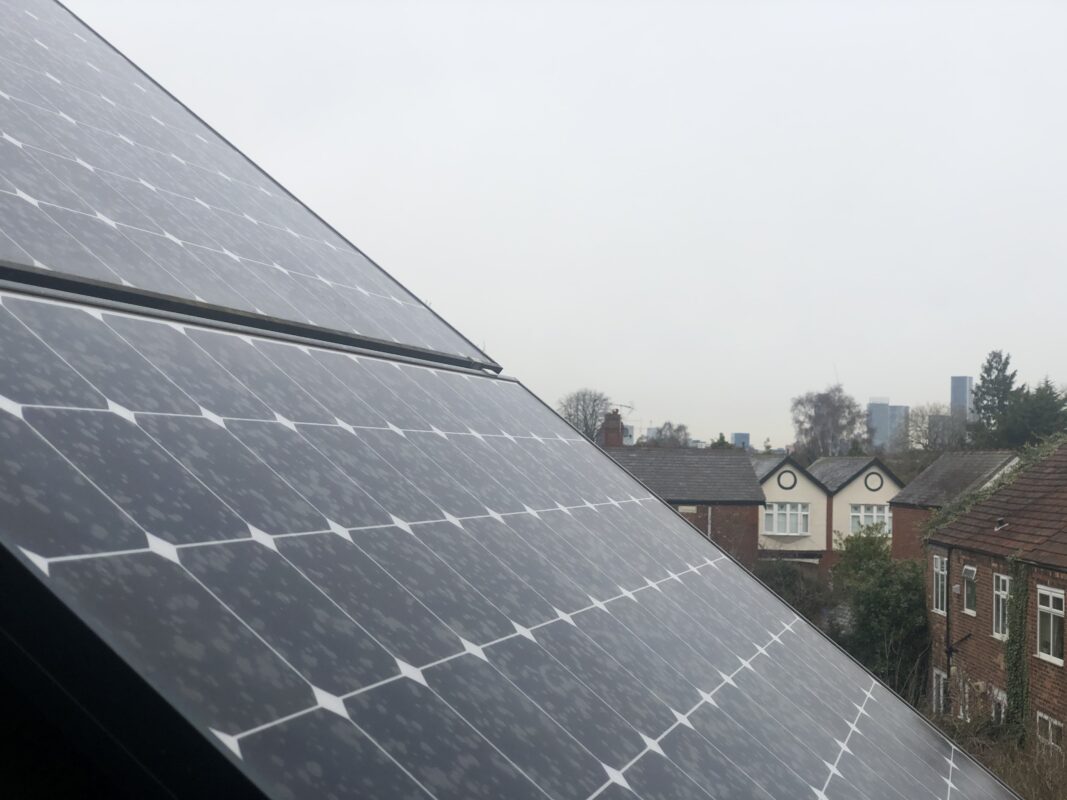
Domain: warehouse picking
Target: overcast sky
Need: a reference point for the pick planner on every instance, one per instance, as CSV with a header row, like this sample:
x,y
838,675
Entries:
x,y
701,209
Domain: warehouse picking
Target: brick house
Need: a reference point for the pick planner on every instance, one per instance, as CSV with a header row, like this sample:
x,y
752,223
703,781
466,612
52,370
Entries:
x,y
968,586
951,476
858,491
715,490
793,523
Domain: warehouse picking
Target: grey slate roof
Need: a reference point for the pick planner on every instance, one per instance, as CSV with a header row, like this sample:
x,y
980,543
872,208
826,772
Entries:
x,y
834,472
952,475
692,475
765,464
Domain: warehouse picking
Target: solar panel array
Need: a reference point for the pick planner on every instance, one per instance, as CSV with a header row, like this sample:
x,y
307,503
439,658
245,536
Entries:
x,y
371,577
106,177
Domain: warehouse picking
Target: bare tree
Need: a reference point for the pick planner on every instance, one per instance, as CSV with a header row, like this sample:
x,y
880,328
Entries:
x,y
585,410
668,435
932,428
828,423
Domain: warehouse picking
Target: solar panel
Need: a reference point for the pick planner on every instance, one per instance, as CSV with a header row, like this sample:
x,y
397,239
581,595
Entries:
x,y
104,176
385,579
265,561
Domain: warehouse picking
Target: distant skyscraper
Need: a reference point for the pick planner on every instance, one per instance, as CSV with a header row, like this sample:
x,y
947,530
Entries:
x,y
888,424
962,402
878,421
740,440
898,427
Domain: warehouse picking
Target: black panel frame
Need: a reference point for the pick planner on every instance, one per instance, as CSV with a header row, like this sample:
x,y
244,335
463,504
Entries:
x,y
17,276
91,693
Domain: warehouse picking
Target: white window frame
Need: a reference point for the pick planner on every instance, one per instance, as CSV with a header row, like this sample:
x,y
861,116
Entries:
x,y
1001,593
862,514
998,701
939,693
1052,723
939,583
1053,613
787,514
970,577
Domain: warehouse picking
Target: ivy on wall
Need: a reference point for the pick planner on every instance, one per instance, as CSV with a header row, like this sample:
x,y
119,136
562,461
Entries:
x,y
1016,658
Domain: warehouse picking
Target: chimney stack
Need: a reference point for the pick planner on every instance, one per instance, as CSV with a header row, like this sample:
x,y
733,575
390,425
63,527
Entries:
x,y
610,433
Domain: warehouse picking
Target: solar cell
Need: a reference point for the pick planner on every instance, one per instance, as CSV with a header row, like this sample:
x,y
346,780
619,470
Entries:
x,y
347,597
104,176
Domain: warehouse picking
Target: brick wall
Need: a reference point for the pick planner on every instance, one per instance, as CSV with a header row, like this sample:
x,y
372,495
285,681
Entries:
x,y
908,531
980,656
733,528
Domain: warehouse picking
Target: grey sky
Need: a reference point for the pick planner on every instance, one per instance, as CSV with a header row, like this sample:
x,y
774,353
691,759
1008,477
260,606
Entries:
x,y
701,209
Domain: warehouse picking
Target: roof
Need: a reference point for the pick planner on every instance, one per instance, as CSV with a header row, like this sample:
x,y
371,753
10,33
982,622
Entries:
x,y
694,475
836,472
1030,512
953,475
766,463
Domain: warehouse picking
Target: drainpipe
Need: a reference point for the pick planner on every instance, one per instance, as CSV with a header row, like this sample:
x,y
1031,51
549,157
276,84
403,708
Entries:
x,y
946,702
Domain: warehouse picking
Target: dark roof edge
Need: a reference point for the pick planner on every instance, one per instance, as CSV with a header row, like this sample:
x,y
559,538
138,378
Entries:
x,y
767,554
788,459
488,364
931,506
67,287
1017,555
712,502
876,462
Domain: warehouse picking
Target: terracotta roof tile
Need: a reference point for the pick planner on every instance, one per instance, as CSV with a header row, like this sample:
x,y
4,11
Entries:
x,y
1033,506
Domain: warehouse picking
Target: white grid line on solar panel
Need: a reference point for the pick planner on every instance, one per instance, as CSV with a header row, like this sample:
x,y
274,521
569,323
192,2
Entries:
x,y
330,698
99,217
26,194
599,604
652,746
75,56
237,293
184,327
229,150
413,672
179,114
58,51
208,171
330,702
628,594
493,382
88,93
338,320
438,336
126,415
906,745
233,739
853,727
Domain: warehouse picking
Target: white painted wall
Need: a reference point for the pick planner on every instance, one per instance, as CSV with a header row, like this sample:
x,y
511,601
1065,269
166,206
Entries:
x,y
857,492
805,491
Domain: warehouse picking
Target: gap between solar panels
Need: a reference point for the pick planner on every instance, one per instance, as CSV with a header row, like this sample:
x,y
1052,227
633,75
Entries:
x,y
50,283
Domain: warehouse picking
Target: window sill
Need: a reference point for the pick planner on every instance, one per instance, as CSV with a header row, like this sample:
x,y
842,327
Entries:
x,y
969,613
1050,659
938,611
787,535
1000,637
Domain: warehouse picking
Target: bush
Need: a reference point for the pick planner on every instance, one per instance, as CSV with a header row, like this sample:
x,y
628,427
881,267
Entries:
x,y
1034,770
882,619
797,584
